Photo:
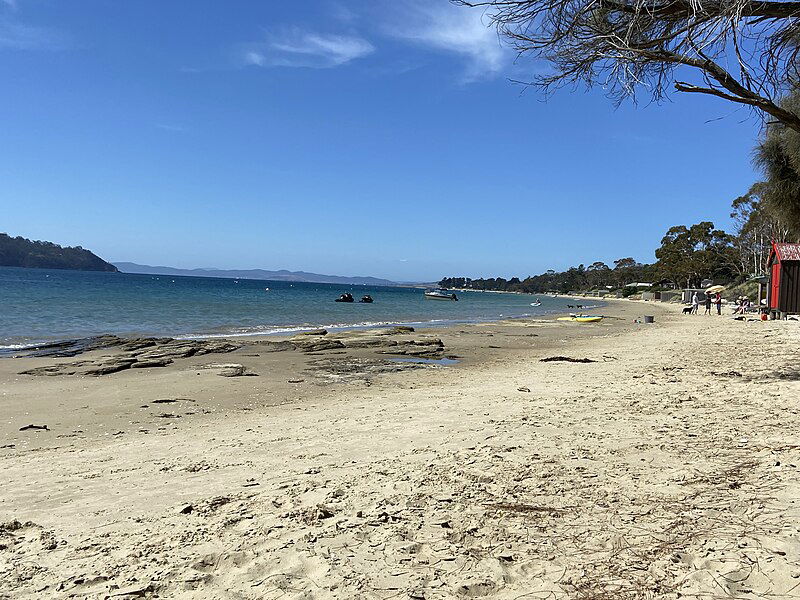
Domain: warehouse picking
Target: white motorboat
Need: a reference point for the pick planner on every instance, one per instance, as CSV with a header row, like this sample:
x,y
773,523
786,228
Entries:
x,y
440,294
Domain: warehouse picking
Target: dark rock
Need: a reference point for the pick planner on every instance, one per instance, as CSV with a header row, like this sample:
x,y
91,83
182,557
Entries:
x,y
369,342
137,347
152,362
69,348
313,345
48,371
232,371
314,332
137,353
138,344
344,370
422,348
400,329
172,349
112,366
214,347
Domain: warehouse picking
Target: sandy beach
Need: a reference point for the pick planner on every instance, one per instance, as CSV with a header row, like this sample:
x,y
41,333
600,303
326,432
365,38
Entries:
x,y
661,461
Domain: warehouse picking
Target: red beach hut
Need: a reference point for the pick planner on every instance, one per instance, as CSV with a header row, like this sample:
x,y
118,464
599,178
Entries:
x,y
784,279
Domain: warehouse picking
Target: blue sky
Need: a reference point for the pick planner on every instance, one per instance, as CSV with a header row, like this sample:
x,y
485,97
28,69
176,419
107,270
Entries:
x,y
354,137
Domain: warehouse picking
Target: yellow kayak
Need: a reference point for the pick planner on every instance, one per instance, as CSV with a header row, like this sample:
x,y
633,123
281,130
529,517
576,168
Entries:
x,y
581,319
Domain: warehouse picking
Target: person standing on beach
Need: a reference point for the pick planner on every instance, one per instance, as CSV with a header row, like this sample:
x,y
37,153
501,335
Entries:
x,y
695,303
708,304
718,301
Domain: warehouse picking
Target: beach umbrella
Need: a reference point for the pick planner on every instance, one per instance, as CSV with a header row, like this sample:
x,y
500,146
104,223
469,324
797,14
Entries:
x,y
715,289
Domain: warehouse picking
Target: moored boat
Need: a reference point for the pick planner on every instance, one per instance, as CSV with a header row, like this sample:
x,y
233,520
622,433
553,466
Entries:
x,y
440,294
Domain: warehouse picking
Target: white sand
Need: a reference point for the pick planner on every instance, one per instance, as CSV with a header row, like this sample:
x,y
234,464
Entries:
x,y
666,469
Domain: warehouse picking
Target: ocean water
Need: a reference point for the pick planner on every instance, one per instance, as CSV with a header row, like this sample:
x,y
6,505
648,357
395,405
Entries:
x,y
38,305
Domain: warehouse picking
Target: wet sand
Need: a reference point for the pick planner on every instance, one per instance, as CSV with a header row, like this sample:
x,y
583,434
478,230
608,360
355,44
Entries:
x,y
667,465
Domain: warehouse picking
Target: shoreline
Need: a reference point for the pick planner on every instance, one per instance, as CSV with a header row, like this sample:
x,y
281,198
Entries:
x,y
553,458
9,349
355,355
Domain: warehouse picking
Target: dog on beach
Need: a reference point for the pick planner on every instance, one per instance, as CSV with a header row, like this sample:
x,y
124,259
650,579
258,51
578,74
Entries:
x,y
687,310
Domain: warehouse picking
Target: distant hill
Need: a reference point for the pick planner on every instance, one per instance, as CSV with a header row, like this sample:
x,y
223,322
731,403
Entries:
x,y
21,252
282,275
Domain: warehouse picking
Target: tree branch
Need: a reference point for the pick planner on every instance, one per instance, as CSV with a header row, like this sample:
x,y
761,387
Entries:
x,y
766,10
625,45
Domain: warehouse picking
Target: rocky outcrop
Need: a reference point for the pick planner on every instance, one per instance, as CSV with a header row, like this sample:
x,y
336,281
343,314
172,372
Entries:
x,y
230,370
423,348
138,353
111,366
350,369
369,342
316,345
142,348
147,352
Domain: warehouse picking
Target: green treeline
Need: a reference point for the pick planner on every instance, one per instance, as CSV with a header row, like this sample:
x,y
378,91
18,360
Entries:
x,y
687,256
769,211
598,275
21,252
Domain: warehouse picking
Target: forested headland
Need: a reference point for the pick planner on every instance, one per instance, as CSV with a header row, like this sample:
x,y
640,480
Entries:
x,y
22,252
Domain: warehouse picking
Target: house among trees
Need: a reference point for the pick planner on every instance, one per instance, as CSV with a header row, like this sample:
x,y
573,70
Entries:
x,y
784,279
640,285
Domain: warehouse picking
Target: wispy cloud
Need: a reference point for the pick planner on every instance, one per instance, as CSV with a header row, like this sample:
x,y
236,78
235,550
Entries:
x,y
300,48
453,29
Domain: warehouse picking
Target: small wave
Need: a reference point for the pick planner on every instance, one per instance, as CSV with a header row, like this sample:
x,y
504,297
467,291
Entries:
x,y
17,346
278,330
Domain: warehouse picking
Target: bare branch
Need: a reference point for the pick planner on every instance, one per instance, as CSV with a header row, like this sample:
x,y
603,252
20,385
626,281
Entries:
x,y
629,45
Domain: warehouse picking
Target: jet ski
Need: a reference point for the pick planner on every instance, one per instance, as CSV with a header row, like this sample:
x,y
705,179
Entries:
x,y
346,297
366,299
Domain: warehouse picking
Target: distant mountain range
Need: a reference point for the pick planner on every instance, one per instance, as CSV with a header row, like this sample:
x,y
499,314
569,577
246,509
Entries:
x,y
282,275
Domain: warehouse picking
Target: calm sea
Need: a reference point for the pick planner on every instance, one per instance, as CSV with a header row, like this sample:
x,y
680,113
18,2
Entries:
x,y
41,304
